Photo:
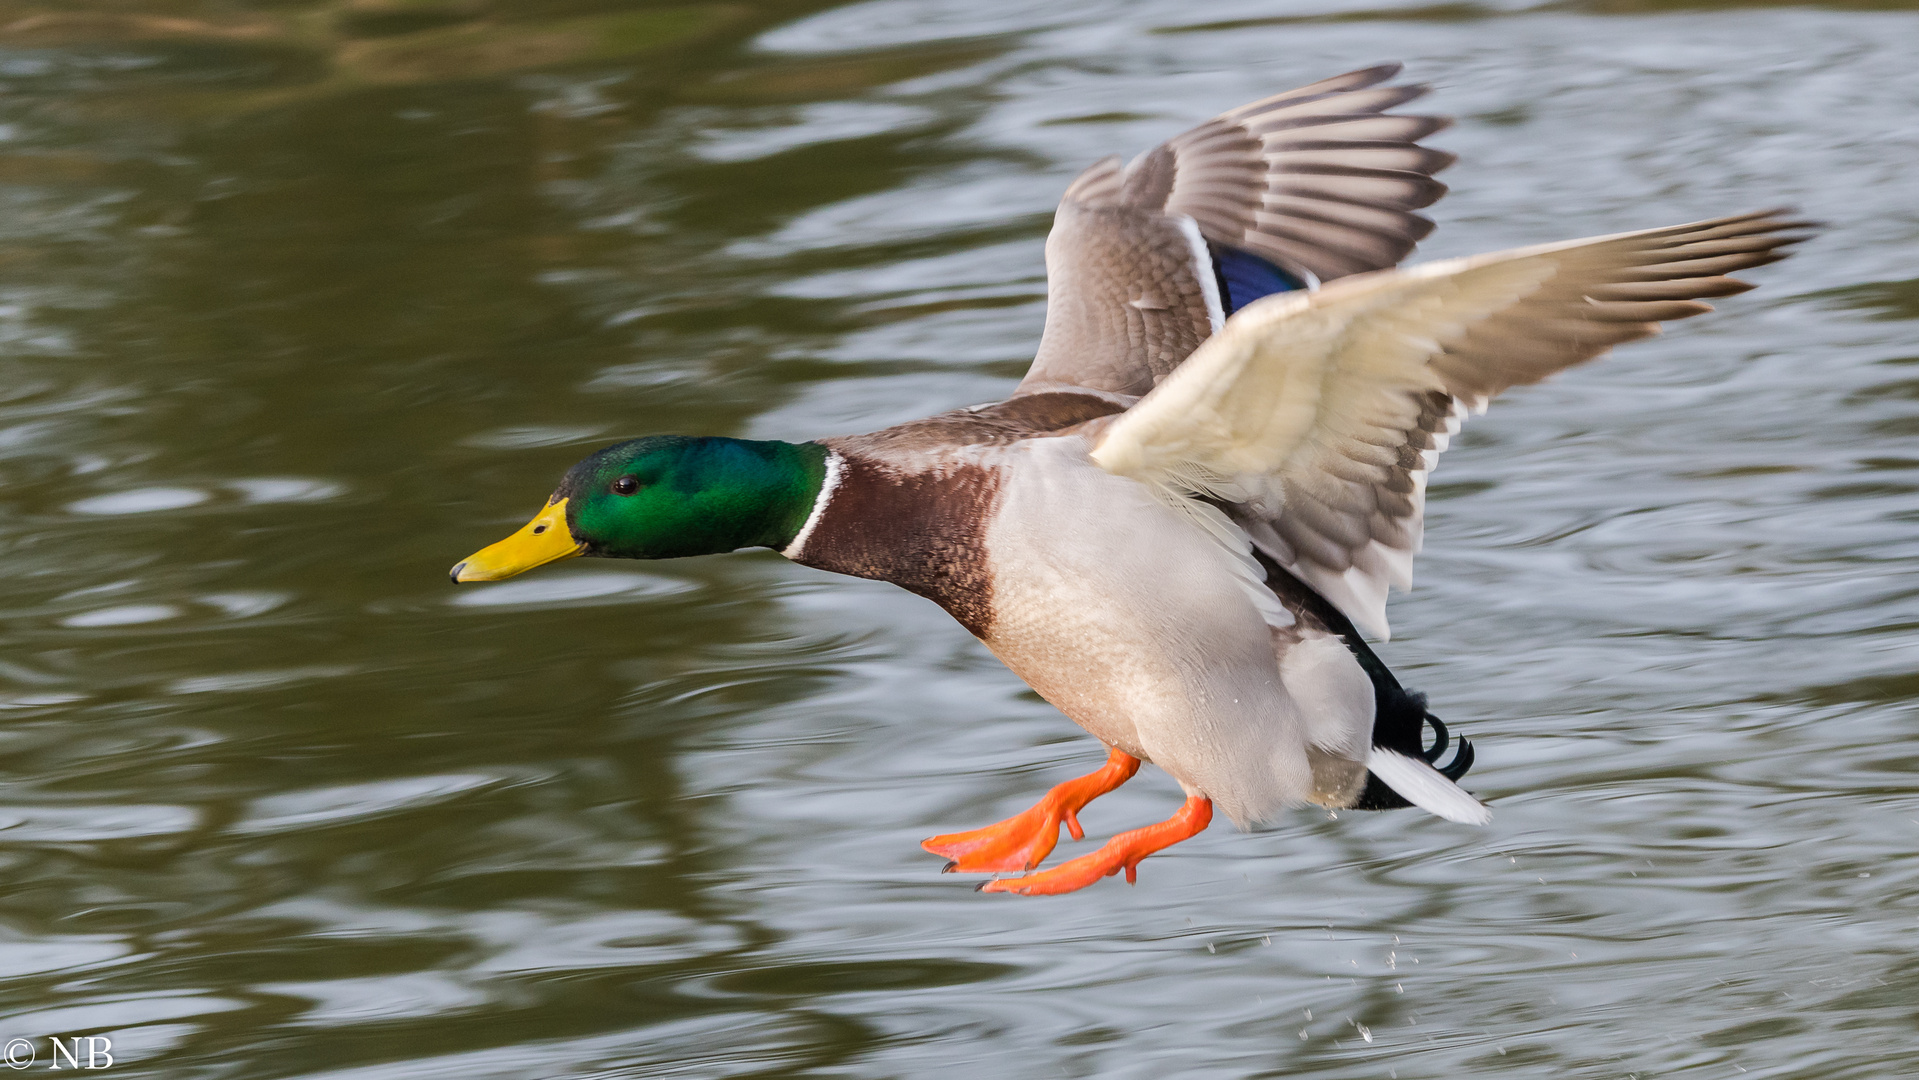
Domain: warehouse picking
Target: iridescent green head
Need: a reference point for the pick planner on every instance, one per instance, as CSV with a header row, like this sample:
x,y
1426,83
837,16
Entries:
x,y
663,497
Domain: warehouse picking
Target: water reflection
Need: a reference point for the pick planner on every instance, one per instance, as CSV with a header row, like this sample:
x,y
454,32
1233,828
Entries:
x,y
300,302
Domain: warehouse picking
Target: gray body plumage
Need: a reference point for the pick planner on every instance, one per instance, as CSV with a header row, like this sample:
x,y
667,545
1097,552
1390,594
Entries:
x,y
1166,643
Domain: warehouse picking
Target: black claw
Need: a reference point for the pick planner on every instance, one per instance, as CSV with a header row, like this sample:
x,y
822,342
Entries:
x,y
951,865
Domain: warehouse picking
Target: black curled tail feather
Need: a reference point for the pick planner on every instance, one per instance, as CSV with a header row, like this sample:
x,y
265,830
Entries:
x,y
1462,757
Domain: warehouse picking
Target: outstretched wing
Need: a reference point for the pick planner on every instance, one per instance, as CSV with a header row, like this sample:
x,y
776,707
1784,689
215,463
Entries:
x,y
1146,262
1317,416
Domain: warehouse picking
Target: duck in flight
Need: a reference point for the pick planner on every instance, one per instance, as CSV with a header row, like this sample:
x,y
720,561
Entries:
x,y
1178,526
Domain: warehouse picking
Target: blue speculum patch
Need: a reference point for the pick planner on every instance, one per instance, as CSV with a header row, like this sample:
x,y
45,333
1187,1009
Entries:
x,y
1244,277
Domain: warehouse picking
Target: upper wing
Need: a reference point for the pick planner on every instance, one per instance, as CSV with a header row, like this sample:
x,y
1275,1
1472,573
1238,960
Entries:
x,y
1026,416
1146,262
1319,414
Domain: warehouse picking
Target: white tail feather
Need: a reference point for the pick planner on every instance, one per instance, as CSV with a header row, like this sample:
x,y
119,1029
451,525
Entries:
x,y
1427,787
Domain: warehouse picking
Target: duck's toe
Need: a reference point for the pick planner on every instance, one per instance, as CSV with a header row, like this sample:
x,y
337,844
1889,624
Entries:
x,y
1021,841
1018,843
1122,852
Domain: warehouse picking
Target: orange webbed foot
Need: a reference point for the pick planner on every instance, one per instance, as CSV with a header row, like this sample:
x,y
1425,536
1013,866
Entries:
x,y
1122,852
1021,841
1018,843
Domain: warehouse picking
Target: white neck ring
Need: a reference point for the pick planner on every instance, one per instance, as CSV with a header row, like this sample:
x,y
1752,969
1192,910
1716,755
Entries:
x,y
834,466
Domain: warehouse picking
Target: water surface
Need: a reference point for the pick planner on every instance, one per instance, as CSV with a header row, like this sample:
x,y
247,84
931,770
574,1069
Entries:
x,y
299,303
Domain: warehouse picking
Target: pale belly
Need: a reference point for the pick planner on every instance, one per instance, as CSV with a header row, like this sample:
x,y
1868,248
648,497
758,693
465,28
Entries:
x,y
1154,636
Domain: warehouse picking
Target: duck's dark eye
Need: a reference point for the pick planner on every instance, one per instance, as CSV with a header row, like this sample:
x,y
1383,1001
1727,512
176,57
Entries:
x,y
625,485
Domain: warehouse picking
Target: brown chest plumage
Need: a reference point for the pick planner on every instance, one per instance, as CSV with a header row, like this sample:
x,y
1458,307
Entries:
x,y
913,502
922,531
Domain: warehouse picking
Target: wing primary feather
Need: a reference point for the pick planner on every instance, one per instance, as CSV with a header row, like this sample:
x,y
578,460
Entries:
x,y
1325,164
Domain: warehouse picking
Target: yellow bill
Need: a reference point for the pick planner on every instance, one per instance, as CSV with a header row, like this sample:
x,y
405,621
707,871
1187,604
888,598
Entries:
x,y
543,540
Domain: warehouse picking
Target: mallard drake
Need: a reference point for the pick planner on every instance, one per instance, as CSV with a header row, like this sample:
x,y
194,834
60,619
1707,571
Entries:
x,y
1180,522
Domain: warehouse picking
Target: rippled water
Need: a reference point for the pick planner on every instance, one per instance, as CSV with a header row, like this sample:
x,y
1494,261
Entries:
x,y
295,313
